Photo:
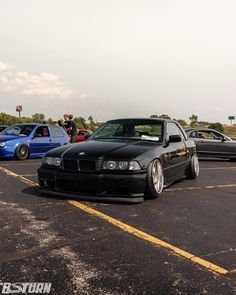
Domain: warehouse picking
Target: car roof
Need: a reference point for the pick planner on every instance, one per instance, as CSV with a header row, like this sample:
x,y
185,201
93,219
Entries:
x,y
200,129
33,124
140,119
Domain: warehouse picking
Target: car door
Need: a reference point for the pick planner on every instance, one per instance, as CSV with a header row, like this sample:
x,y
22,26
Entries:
x,y
40,142
176,152
211,143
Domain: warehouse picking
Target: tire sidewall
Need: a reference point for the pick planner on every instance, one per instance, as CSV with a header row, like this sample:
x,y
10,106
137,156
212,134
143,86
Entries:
x,y
17,153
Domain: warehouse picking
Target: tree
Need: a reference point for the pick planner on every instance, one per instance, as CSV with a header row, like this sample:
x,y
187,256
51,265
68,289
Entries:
x,y
81,123
50,121
217,126
92,124
203,123
193,120
154,116
164,116
182,122
38,118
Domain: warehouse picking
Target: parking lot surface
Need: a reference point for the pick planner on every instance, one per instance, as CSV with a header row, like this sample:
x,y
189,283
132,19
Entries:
x,y
184,242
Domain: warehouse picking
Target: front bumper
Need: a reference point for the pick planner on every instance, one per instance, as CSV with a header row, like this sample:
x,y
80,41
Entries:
x,y
5,152
94,187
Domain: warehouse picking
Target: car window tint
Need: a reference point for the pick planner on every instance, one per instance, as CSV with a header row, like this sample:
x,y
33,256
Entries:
x,y
19,130
42,131
193,134
110,129
217,136
56,131
210,135
148,130
173,129
132,130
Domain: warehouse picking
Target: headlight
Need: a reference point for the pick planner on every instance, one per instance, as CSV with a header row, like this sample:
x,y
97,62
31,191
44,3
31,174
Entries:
x,y
2,144
51,161
120,165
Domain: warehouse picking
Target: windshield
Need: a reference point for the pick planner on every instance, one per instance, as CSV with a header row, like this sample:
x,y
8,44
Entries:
x,y
18,130
130,130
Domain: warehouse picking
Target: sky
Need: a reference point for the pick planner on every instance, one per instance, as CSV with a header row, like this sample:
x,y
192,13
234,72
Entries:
x,y
119,58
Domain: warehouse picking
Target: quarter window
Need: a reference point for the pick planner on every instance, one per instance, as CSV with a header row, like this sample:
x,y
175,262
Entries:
x,y
56,131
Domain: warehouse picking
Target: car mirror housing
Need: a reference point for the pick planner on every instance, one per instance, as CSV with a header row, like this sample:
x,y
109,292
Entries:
x,y
174,138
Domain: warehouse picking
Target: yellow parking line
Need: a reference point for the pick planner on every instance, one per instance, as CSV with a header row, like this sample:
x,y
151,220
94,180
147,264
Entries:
x,y
22,178
20,164
200,187
132,230
140,234
28,175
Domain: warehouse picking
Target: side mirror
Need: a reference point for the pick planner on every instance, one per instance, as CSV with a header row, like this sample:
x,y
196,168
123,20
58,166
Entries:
x,y
174,138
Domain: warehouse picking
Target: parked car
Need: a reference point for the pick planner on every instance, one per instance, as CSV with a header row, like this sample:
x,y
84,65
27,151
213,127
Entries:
x,y
2,127
211,143
24,141
82,135
123,160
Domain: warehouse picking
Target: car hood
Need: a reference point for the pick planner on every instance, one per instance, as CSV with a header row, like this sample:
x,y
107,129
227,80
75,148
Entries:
x,y
120,149
9,137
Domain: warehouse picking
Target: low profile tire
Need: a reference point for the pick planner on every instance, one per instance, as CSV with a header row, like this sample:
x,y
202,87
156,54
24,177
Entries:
x,y
192,171
155,180
22,152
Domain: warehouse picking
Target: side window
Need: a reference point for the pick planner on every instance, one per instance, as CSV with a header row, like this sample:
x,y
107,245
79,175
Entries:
x,y
210,135
56,131
193,134
173,129
42,131
217,136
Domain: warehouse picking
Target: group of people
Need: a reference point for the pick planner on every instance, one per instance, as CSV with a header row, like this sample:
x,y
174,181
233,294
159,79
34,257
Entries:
x,y
69,126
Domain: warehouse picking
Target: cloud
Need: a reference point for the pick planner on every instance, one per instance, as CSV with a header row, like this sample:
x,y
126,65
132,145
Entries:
x,y
44,85
219,108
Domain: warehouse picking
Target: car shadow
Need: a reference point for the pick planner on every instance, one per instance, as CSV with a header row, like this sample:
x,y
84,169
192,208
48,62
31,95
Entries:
x,y
213,160
34,191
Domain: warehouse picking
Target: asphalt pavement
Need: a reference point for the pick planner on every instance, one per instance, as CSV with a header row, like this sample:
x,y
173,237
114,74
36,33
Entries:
x,y
184,242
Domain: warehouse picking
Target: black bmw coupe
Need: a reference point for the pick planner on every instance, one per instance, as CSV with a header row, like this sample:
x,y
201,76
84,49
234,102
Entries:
x,y
124,160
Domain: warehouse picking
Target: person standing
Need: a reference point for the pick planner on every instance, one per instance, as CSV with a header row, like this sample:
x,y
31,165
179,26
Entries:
x,y
66,124
73,129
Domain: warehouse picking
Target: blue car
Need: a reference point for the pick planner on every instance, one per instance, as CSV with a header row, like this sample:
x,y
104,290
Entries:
x,y
24,141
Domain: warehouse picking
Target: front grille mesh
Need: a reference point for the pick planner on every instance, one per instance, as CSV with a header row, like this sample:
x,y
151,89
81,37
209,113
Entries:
x,y
84,165
70,164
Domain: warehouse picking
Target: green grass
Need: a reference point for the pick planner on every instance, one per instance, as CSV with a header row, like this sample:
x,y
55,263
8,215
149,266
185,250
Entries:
x,y
230,130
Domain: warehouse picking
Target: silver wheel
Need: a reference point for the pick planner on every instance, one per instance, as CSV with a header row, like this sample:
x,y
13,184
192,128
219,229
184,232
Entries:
x,y
157,176
22,152
195,164
192,170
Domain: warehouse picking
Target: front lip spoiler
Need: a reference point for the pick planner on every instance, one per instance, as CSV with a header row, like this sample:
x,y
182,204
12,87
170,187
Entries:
x,y
83,197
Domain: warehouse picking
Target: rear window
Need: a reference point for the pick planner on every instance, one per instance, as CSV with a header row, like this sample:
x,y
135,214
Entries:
x,y
56,131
